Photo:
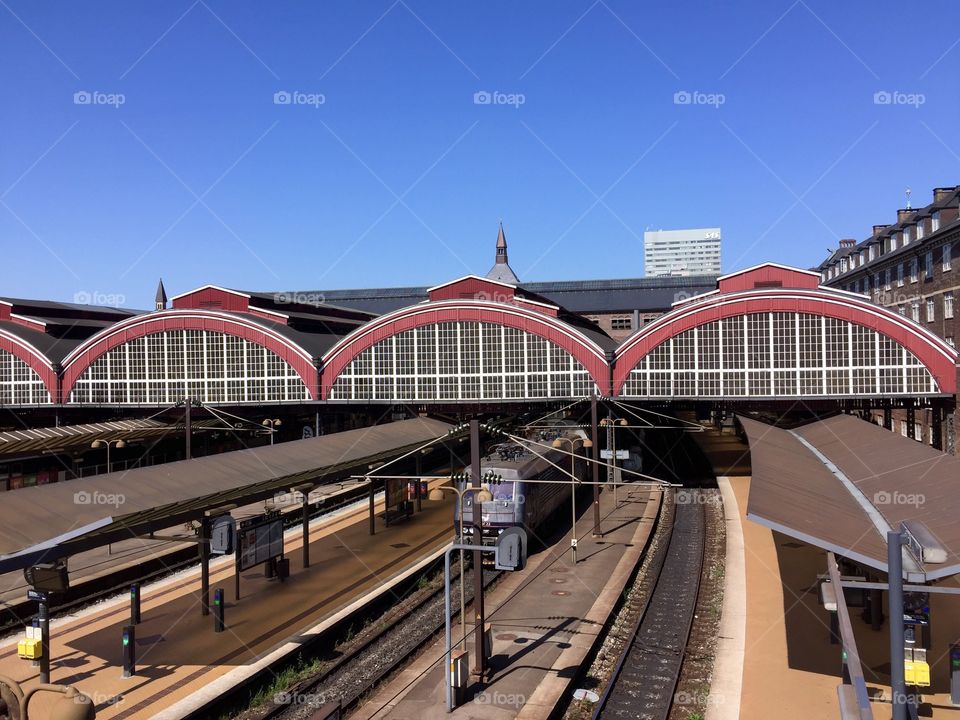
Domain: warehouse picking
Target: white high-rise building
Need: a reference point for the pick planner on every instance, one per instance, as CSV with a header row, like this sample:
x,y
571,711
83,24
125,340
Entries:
x,y
681,252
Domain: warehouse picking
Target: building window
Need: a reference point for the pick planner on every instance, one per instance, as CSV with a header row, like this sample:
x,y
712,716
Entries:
x,y
931,310
914,269
902,309
915,311
948,305
950,341
621,323
906,236
903,428
886,278
920,230
900,275
935,222
945,265
928,267
872,251
843,265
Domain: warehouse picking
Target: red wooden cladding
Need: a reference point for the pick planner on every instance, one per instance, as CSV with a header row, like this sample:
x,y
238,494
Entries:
x,y
37,362
769,275
211,298
476,288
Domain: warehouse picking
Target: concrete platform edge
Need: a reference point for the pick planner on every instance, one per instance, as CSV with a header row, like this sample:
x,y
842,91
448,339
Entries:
x,y
549,692
727,681
235,677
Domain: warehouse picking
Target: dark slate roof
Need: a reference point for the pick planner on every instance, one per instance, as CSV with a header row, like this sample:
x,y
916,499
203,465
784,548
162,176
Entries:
x,y
53,348
578,296
315,343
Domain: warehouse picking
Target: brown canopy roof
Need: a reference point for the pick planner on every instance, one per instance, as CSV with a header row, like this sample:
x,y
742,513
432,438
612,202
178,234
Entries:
x,y
58,520
839,483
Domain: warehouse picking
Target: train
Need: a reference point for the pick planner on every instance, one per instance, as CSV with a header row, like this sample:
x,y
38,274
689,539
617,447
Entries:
x,y
530,489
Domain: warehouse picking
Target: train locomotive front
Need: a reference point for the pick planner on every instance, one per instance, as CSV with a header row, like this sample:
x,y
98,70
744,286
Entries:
x,y
527,489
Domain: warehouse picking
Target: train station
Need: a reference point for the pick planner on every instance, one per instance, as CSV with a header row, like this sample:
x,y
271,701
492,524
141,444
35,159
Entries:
x,y
709,504
409,360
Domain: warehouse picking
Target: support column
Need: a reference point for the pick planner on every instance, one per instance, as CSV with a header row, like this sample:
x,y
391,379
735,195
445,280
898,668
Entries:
x,y
596,466
898,687
306,529
478,610
419,472
911,420
936,425
204,548
887,415
372,528
186,427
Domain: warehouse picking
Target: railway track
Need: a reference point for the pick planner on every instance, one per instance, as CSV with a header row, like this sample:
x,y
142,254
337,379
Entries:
x,y
365,664
644,680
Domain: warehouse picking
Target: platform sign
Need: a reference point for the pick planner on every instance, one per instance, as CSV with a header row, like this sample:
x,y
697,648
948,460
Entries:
x,y
621,454
258,541
511,549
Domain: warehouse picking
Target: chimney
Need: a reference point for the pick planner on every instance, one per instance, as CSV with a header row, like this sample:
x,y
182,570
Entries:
x,y
847,243
904,214
942,193
877,229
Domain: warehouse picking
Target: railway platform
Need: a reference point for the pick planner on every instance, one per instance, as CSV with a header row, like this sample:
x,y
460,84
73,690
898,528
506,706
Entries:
x,y
182,663
545,621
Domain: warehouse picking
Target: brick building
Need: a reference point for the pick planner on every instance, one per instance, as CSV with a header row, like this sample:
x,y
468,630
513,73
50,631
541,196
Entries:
x,y
911,266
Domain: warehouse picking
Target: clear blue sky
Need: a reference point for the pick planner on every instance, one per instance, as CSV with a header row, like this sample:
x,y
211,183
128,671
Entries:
x,y
399,177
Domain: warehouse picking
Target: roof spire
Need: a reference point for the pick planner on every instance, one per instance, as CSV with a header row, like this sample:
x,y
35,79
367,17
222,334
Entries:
x,y
501,270
161,296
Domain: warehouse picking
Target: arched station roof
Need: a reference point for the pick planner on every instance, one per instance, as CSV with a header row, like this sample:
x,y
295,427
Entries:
x,y
479,300
772,288
17,344
262,332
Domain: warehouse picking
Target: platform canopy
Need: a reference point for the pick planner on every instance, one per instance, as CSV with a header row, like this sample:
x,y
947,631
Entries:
x,y
52,521
842,483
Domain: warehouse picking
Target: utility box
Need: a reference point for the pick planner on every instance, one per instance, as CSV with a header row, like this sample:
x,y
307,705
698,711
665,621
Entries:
x,y
30,647
916,670
955,673
459,669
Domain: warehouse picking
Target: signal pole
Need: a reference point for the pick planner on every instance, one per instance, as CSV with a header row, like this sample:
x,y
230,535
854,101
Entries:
x,y
478,610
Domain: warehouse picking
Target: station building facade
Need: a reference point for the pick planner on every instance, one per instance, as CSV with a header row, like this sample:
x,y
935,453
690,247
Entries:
x,y
909,267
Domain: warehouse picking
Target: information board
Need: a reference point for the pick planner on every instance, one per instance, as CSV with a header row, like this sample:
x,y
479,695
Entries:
x,y
259,542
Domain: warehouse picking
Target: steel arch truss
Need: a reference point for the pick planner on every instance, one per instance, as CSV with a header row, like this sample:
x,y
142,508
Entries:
x,y
209,356
795,343
464,351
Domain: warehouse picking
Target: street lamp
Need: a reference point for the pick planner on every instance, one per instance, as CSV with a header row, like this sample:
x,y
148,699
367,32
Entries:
x,y
101,443
610,424
482,496
272,425
587,443
74,705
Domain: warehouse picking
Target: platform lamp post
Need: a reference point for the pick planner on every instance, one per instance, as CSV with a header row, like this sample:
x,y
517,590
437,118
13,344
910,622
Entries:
x,y
96,444
611,425
482,496
558,443
272,425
